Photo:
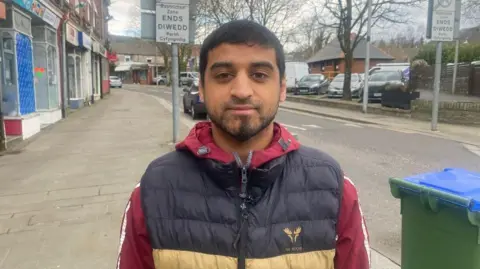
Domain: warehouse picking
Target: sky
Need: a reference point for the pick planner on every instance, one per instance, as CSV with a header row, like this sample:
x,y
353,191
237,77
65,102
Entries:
x,y
126,14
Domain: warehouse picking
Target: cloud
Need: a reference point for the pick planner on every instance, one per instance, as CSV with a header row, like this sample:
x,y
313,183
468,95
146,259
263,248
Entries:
x,y
125,14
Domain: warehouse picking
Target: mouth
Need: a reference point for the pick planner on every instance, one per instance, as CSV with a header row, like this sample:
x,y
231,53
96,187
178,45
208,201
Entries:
x,y
242,110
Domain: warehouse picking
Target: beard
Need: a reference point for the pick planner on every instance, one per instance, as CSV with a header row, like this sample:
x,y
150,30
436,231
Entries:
x,y
242,128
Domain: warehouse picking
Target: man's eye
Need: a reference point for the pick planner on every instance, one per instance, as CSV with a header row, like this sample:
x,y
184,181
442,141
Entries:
x,y
223,76
259,76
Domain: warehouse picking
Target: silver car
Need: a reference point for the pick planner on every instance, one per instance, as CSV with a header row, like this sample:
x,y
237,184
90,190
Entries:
x,y
115,82
160,80
335,89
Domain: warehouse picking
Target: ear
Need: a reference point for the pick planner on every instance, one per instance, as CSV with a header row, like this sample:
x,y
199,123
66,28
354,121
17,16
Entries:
x,y
283,89
200,91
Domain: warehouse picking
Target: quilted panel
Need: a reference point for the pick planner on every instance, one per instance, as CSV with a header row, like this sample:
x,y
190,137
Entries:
x,y
26,90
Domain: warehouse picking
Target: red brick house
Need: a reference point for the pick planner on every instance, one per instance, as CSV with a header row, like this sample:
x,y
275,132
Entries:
x,y
331,60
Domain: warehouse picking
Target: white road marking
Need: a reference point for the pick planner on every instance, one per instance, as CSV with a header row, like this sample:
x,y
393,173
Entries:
x,y
353,125
473,149
293,127
312,126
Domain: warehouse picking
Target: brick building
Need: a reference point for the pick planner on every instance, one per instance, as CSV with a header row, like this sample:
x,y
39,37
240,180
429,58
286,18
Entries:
x,y
331,60
53,58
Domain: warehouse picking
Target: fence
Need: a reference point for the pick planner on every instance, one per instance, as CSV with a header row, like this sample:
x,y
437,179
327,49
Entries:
x,y
467,82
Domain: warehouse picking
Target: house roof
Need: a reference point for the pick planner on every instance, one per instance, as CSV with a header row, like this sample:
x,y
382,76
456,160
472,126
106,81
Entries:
x,y
401,54
133,46
333,51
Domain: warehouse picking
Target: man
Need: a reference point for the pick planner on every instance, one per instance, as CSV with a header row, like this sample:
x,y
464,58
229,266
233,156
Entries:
x,y
241,192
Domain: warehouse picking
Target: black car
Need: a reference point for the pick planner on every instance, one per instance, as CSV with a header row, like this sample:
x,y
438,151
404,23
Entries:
x,y
312,84
380,79
192,103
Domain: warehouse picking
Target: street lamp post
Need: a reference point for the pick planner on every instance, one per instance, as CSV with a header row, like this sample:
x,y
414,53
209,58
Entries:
x,y
367,58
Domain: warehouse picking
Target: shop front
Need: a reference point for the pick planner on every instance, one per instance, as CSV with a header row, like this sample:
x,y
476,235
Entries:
x,y
85,44
18,91
75,68
46,74
100,53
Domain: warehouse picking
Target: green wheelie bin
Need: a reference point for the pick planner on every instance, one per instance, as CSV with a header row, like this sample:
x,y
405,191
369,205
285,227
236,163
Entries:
x,y
440,219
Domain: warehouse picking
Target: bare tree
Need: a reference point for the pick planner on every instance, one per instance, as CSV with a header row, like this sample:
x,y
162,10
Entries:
x,y
274,14
349,16
471,11
311,37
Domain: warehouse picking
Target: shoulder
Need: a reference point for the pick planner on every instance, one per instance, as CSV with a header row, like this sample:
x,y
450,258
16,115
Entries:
x,y
318,164
166,165
172,159
312,156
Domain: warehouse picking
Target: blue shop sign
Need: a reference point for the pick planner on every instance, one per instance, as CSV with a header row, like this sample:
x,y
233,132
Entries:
x,y
26,4
84,41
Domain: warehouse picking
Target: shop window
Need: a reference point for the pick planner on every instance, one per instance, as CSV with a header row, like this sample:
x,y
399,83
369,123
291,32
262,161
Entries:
x,y
143,74
72,89
7,42
10,74
51,37
53,98
78,74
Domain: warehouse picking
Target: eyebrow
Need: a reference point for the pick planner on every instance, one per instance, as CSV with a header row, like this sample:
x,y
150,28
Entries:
x,y
263,64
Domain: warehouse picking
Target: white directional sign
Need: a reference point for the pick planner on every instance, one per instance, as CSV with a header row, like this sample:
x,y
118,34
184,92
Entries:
x,y
443,20
173,22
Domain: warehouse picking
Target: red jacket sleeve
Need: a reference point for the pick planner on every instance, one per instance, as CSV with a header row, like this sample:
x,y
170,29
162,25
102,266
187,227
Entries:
x,y
135,250
353,250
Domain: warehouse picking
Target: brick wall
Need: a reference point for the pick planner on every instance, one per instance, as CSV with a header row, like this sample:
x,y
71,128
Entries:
x,y
467,113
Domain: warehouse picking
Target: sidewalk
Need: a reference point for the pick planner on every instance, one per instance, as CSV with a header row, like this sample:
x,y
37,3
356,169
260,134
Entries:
x,y
462,134
63,196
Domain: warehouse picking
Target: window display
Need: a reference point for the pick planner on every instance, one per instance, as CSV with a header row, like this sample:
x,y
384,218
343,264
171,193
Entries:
x,y
9,91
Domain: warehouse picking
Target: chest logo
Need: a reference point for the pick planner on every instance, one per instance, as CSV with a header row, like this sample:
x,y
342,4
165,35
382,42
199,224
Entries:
x,y
293,235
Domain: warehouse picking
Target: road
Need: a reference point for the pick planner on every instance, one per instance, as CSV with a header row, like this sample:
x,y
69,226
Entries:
x,y
370,155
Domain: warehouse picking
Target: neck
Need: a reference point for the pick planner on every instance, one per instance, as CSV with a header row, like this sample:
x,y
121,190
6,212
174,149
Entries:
x,y
227,143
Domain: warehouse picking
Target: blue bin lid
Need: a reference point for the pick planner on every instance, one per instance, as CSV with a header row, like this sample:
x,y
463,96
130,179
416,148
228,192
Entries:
x,y
456,181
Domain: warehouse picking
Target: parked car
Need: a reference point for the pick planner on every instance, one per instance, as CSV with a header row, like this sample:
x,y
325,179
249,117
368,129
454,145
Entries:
x,y
312,84
381,79
115,82
335,89
188,78
160,80
192,103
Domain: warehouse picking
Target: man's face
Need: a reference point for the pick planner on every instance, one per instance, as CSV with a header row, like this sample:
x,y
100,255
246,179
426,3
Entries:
x,y
242,89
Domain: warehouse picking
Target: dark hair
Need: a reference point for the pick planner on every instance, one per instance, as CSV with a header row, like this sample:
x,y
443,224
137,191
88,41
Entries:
x,y
242,32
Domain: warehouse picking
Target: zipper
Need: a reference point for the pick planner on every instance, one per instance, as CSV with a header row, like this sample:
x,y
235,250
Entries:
x,y
245,201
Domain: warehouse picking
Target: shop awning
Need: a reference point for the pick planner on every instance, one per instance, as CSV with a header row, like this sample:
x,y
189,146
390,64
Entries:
x,y
128,66
123,68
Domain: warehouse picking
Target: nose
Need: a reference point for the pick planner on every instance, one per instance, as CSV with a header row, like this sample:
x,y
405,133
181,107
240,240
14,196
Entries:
x,y
241,86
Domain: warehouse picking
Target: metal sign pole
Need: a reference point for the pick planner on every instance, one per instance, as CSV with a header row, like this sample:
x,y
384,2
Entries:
x,y
436,85
3,136
175,91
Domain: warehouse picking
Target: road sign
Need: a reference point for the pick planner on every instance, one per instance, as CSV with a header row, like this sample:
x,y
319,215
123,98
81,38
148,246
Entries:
x,y
444,19
173,23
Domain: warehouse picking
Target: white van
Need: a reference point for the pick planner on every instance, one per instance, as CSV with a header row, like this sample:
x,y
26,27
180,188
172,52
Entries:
x,y
390,66
294,71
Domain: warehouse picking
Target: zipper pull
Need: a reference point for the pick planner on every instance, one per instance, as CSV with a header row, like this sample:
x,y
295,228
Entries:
x,y
244,181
